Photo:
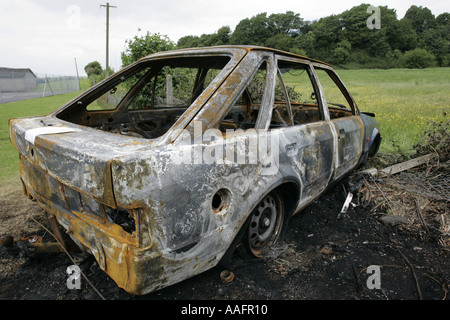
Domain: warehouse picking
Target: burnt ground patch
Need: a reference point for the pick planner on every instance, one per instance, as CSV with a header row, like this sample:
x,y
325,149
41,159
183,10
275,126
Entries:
x,y
322,258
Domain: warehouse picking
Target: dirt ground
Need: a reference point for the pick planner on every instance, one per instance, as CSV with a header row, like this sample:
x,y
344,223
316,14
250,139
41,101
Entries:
x,y
325,256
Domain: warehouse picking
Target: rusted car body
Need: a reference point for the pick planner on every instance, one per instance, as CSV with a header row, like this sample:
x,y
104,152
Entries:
x,y
163,168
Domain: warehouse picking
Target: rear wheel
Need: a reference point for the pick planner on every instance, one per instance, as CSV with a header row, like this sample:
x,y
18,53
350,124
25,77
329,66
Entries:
x,y
266,223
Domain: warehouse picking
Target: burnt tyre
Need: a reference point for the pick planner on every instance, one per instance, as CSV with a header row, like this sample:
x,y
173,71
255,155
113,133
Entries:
x,y
265,225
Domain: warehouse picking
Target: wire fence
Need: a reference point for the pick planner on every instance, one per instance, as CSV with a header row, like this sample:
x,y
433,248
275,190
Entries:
x,y
23,84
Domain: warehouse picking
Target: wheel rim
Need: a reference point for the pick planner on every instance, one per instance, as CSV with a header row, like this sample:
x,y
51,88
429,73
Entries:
x,y
265,224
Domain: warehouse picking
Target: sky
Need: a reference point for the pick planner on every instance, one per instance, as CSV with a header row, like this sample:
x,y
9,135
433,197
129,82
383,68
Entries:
x,y
60,37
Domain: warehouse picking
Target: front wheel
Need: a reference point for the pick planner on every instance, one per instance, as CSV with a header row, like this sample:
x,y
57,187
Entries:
x,y
266,223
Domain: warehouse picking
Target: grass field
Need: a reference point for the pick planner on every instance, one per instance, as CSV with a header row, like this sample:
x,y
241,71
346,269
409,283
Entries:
x,y
9,159
404,101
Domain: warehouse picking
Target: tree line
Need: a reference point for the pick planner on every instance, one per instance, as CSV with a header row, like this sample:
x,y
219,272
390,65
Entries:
x,y
419,39
346,40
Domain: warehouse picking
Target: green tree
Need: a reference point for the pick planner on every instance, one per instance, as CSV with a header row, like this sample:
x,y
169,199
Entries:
x,y
354,25
221,37
398,34
343,38
288,23
405,38
327,32
418,58
95,72
431,40
259,28
188,42
253,31
93,68
280,42
307,43
342,51
421,18
373,41
141,46
432,33
443,25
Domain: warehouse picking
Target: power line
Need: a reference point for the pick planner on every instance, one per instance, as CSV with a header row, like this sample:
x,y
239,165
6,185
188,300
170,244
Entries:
x,y
107,35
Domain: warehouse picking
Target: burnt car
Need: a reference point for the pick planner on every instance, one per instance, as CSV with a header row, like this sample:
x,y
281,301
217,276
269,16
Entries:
x,y
161,170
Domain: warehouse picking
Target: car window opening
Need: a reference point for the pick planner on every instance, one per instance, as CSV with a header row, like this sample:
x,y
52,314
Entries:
x,y
339,103
149,99
244,113
296,98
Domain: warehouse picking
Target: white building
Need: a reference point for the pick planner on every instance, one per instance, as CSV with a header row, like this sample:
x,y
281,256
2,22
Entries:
x,y
17,80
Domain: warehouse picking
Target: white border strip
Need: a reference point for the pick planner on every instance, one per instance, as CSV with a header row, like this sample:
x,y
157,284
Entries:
x,y
30,135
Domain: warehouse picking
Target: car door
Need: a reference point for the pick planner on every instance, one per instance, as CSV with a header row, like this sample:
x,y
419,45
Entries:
x,y
306,139
344,117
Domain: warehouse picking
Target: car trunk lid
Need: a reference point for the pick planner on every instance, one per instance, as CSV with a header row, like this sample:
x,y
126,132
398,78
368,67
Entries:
x,y
76,156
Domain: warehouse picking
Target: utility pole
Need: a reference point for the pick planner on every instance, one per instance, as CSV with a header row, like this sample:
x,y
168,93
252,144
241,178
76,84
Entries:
x,y
107,35
78,76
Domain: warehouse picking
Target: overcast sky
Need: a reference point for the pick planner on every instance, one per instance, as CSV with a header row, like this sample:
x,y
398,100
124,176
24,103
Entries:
x,y
48,35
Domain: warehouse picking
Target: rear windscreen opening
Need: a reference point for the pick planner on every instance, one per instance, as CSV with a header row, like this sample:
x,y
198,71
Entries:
x,y
146,100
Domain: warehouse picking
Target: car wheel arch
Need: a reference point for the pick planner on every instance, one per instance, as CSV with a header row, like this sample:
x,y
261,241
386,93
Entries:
x,y
290,191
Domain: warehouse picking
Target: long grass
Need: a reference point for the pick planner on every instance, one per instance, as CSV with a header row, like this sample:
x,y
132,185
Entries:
x,y
403,100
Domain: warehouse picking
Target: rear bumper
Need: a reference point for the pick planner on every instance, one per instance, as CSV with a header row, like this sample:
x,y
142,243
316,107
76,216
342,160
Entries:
x,y
135,269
